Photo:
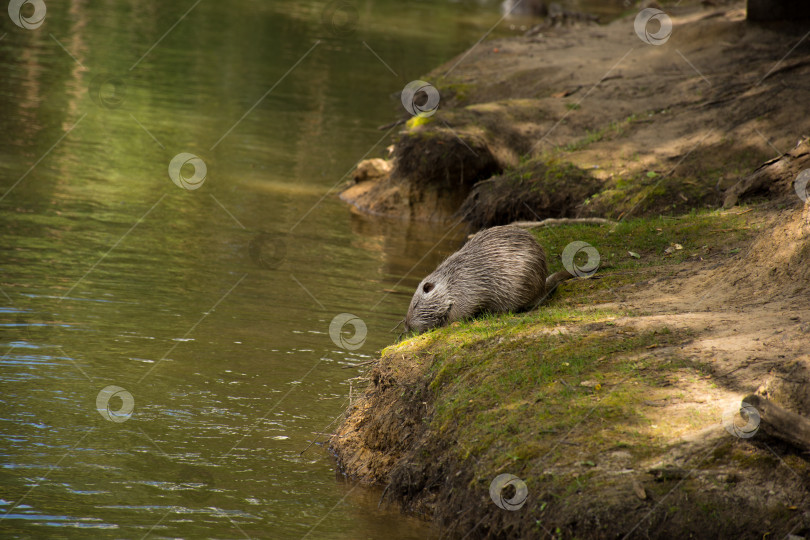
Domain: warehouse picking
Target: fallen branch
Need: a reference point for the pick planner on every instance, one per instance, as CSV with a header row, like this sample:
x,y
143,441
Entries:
x,y
392,124
780,423
553,222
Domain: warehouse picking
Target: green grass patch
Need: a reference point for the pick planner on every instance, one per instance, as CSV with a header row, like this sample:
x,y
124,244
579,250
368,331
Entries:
x,y
509,384
660,243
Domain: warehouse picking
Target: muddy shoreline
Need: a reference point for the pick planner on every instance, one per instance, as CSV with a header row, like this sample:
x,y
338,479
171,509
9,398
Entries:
x,y
611,403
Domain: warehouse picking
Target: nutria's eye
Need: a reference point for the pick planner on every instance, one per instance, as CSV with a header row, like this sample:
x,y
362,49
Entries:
x,y
427,287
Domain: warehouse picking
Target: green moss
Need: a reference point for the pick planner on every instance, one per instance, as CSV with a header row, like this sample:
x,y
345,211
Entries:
x,y
551,169
417,121
531,381
458,91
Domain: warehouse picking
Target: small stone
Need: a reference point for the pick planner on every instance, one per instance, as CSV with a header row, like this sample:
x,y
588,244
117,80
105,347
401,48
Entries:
x,y
639,490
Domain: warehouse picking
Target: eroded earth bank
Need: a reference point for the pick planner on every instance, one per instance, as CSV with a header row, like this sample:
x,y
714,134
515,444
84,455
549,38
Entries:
x,y
616,403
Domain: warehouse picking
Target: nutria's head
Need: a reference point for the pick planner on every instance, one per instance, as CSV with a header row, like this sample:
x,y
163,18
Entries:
x,y
430,305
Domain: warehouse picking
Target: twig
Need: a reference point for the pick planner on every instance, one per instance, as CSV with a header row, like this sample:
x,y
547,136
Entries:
x,y
383,495
361,364
568,385
392,124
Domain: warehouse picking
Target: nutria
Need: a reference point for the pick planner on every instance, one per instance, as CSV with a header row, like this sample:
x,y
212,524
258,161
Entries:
x,y
499,269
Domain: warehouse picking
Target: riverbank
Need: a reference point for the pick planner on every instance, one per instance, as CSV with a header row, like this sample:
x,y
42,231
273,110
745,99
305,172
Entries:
x,y
642,129
611,403
608,402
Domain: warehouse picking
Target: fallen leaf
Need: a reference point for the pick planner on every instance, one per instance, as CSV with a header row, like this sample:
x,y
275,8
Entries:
x,y
634,254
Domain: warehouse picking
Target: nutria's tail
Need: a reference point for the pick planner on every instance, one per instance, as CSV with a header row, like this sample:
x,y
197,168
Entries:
x,y
551,284
555,279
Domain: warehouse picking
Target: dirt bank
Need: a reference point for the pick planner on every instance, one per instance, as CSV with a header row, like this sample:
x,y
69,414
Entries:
x,y
721,96
616,404
610,402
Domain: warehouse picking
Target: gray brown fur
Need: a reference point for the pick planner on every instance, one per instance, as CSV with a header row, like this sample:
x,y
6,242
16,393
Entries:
x,y
498,270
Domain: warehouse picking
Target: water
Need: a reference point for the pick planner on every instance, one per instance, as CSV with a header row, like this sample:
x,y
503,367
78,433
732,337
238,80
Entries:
x,y
166,354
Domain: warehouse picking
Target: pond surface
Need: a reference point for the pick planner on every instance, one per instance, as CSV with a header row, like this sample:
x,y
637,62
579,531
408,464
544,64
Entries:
x,y
166,349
